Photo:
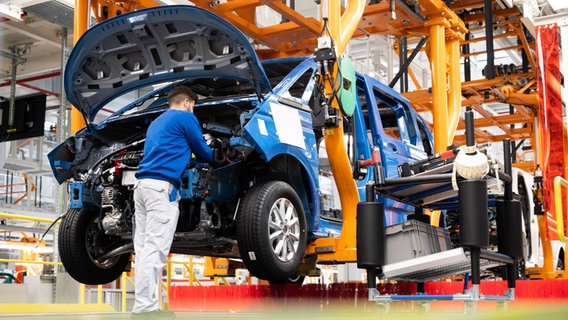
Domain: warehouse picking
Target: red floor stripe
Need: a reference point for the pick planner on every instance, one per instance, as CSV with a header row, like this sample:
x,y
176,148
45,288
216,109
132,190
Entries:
x,y
255,297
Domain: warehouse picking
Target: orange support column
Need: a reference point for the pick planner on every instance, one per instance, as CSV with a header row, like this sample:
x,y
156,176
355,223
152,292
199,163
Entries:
x,y
80,25
439,82
344,249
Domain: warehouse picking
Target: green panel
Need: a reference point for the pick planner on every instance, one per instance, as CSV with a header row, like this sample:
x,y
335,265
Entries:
x,y
347,87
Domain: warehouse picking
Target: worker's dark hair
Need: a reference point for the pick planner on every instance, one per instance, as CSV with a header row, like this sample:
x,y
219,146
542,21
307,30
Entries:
x,y
178,94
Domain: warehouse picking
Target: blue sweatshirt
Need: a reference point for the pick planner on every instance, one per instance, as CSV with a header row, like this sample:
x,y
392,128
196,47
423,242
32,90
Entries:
x,y
170,140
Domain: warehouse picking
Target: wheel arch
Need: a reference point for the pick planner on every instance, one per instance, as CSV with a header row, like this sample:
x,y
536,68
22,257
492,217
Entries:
x,y
291,170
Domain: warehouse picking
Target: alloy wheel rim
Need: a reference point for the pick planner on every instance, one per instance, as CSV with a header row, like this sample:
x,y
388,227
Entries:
x,y
284,230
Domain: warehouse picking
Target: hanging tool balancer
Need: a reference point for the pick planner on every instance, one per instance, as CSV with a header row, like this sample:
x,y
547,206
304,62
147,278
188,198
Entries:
x,y
325,57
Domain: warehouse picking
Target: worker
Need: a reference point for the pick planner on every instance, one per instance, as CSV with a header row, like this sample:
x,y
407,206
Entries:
x,y
170,141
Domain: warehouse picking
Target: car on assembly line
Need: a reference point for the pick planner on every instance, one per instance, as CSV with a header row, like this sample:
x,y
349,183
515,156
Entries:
x,y
270,191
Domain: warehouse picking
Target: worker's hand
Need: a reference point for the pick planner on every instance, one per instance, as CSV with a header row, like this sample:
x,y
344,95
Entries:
x,y
208,138
220,143
220,147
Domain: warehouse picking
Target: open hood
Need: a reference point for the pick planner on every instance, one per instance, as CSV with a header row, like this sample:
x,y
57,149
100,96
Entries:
x,y
157,45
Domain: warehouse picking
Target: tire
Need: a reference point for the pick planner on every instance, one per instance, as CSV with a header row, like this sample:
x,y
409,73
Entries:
x,y
81,242
260,216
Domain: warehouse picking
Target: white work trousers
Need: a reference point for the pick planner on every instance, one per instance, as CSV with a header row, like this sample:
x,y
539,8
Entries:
x,y
155,225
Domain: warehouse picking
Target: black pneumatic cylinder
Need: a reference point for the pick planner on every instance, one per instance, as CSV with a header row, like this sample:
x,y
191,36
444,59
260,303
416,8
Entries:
x,y
469,132
509,228
474,221
370,235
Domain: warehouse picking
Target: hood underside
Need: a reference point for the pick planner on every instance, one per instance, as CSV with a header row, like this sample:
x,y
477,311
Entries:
x,y
157,45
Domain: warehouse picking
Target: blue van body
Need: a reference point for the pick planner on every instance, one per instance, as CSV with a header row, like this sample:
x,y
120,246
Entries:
x,y
265,114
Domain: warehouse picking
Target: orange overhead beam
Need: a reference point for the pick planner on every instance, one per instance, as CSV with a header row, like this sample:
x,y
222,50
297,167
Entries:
x,y
296,34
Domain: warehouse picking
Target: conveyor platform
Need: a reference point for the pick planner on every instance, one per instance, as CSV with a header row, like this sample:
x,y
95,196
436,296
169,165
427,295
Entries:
x,y
431,186
442,264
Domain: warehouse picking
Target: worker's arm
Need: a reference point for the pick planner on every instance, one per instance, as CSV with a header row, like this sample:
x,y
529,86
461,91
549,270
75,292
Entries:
x,y
194,136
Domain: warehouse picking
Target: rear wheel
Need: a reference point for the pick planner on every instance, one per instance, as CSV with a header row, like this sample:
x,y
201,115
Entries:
x,y
271,232
81,243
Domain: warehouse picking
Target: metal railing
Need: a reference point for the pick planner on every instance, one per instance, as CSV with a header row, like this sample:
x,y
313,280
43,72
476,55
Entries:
x,y
124,278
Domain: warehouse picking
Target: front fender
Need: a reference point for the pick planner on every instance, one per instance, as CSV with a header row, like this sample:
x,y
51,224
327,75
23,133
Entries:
x,y
278,130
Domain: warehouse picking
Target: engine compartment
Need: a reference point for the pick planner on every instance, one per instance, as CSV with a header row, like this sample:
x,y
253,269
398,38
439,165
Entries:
x,y
104,173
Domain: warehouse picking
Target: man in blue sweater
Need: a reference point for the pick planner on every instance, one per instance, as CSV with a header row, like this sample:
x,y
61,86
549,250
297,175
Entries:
x,y
170,141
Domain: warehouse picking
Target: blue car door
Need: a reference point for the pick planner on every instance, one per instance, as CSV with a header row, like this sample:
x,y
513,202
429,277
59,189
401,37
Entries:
x,y
392,125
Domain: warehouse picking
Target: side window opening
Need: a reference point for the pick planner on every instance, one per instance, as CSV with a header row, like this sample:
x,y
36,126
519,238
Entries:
x,y
298,89
389,120
424,137
363,104
396,119
330,201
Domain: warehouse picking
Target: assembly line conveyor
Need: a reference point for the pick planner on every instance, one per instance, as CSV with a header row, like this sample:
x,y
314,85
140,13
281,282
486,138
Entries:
x,y
432,189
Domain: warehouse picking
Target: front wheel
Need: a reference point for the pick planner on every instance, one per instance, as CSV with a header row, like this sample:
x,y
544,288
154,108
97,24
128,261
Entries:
x,y
81,243
271,232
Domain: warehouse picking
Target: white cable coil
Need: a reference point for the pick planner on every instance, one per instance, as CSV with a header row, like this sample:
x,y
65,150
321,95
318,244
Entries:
x,y
470,164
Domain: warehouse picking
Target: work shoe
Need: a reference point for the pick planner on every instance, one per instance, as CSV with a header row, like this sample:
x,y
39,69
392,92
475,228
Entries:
x,y
156,314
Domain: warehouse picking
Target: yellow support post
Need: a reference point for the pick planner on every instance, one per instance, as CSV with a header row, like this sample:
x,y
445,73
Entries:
x,y
547,270
168,280
99,294
190,270
559,182
123,292
454,92
82,293
439,93
130,281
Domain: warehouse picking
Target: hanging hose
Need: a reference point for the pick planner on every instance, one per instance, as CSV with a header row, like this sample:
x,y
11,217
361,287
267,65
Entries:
x,y
49,228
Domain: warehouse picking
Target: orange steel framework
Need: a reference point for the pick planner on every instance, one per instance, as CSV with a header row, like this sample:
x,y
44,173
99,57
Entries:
x,y
297,35
28,188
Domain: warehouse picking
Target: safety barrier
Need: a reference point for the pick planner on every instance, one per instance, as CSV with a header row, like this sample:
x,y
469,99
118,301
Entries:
x,y
83,290
112,296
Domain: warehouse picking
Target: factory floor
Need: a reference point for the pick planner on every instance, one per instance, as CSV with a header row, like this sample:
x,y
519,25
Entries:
x,y
534,299
405,311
